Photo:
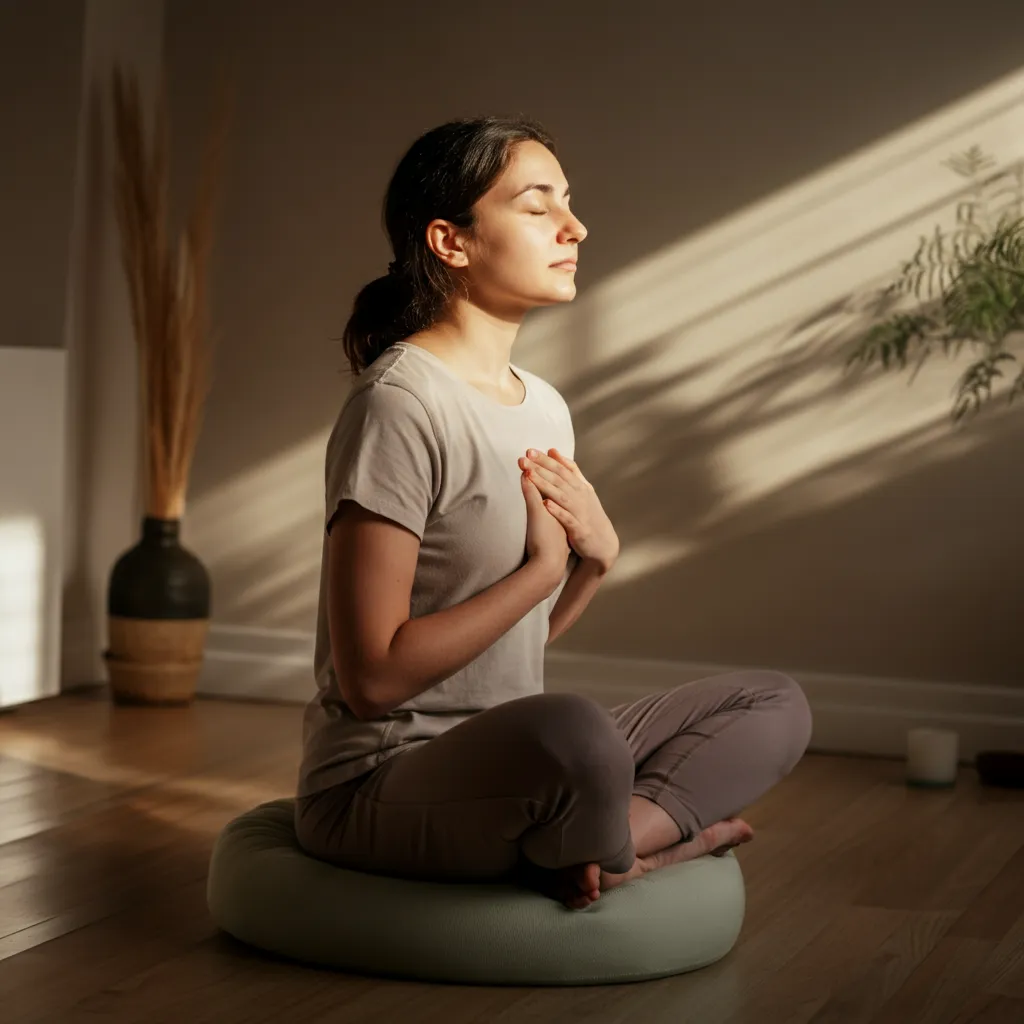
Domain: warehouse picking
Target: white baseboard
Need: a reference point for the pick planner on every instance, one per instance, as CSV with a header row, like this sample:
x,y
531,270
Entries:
x,y
856,715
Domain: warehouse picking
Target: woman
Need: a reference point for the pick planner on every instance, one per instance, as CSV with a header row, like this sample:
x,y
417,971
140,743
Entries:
x,y
455,519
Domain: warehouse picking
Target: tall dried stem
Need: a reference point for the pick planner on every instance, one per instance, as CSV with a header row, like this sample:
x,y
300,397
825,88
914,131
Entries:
x,y
168,286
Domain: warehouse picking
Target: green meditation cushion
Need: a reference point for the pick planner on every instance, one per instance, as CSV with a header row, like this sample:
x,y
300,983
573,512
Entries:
x,y
266,891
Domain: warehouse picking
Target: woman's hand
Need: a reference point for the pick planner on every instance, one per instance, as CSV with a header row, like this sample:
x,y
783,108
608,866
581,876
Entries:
x,y
546,539
571,499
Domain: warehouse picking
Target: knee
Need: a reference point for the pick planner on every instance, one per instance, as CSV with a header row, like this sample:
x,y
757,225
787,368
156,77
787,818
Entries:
x,y
581,737
793,709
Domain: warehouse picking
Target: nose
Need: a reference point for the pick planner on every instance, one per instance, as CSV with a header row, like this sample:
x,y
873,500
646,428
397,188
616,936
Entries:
x,y
574,230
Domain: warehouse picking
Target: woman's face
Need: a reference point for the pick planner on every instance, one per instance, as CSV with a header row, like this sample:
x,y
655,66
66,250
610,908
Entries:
x,y
523,229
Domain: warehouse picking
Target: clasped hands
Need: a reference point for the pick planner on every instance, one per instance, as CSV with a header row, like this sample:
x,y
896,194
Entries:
x,y
572,500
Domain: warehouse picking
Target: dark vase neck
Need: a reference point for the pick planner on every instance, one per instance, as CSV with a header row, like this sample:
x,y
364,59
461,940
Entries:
x,y
160,531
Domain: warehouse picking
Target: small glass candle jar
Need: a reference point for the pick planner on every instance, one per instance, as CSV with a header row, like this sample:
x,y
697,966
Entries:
x,y
932,757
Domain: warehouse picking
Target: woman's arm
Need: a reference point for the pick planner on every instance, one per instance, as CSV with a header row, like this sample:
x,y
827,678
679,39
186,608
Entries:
x,y
382,657
580,587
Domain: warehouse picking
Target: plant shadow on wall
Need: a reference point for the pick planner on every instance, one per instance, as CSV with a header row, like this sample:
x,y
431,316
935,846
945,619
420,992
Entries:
x,y
966,286
883,542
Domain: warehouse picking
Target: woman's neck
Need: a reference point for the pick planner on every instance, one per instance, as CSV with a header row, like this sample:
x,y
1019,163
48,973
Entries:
x,y
476,344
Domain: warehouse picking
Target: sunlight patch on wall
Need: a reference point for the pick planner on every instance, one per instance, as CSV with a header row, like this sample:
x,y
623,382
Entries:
x,y
22,566
643,557
262,529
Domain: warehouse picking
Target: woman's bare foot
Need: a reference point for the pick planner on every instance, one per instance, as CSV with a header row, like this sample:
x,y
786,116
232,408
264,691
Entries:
x,y
578,885
724,835
715,839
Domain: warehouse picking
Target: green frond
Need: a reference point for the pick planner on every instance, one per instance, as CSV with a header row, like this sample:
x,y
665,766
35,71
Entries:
x,y
892,341
969,287
1004,248
975,386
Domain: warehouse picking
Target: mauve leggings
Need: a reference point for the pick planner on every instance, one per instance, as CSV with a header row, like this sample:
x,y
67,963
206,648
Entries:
x,y
548,778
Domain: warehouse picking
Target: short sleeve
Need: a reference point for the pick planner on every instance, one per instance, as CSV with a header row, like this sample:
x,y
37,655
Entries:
x,y
383,453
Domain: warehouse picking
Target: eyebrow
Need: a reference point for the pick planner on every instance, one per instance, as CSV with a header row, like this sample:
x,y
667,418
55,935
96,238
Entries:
x,y
548,189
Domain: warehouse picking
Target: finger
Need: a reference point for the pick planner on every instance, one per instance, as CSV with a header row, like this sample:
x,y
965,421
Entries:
x,y
563,515
549,466
540,494
572,470
563,460
543,467
548,485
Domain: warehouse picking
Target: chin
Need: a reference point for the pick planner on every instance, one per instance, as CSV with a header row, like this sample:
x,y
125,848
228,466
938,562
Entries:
x,y
558,295
532,298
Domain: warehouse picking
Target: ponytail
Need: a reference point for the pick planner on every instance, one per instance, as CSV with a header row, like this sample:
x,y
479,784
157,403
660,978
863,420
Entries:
x,y
378,319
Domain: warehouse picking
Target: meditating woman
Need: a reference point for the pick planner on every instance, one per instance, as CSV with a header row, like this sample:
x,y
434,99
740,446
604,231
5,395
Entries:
x,y
460,538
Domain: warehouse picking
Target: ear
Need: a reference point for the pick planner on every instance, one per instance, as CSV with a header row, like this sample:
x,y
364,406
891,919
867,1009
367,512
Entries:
x,y
445,240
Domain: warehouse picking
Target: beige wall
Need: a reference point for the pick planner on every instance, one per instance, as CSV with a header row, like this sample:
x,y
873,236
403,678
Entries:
x,y
746,174
40,72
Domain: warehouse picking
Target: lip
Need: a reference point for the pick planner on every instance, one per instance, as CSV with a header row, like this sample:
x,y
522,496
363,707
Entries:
x,y
565,265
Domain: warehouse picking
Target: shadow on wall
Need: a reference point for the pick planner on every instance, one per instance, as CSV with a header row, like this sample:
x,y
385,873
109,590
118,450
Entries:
x,y
771,510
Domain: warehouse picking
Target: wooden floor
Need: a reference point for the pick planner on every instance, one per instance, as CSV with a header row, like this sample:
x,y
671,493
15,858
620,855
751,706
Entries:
x,y
867,901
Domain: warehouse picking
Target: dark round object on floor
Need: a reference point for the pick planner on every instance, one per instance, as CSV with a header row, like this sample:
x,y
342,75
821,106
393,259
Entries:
x,y
1001,768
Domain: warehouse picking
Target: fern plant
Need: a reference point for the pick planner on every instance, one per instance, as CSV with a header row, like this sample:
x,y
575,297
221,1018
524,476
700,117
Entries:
x,y
968,284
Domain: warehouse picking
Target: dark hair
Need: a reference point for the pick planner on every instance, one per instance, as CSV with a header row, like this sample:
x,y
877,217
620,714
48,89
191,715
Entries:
x,y
442,175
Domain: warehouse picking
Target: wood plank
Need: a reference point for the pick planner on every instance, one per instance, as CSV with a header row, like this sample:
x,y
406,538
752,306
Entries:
x,y
850,939
885,972
1000,903
940,985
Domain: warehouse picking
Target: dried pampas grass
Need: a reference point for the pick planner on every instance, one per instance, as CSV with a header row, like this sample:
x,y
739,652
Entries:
x,y
168,285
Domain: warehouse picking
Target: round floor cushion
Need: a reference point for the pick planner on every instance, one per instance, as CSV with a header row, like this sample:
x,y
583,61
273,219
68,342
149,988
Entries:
x,y
264,890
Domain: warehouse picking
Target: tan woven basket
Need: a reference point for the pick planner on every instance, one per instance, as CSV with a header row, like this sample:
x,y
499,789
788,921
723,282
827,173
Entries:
x,y
155,661
134,682
157,639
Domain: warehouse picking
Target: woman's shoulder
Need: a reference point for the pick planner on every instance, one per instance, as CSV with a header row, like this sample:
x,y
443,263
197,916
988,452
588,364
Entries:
x,y
381,402
388,383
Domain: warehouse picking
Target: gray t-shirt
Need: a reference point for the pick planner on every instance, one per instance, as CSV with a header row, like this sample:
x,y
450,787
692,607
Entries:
x,y
416,443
